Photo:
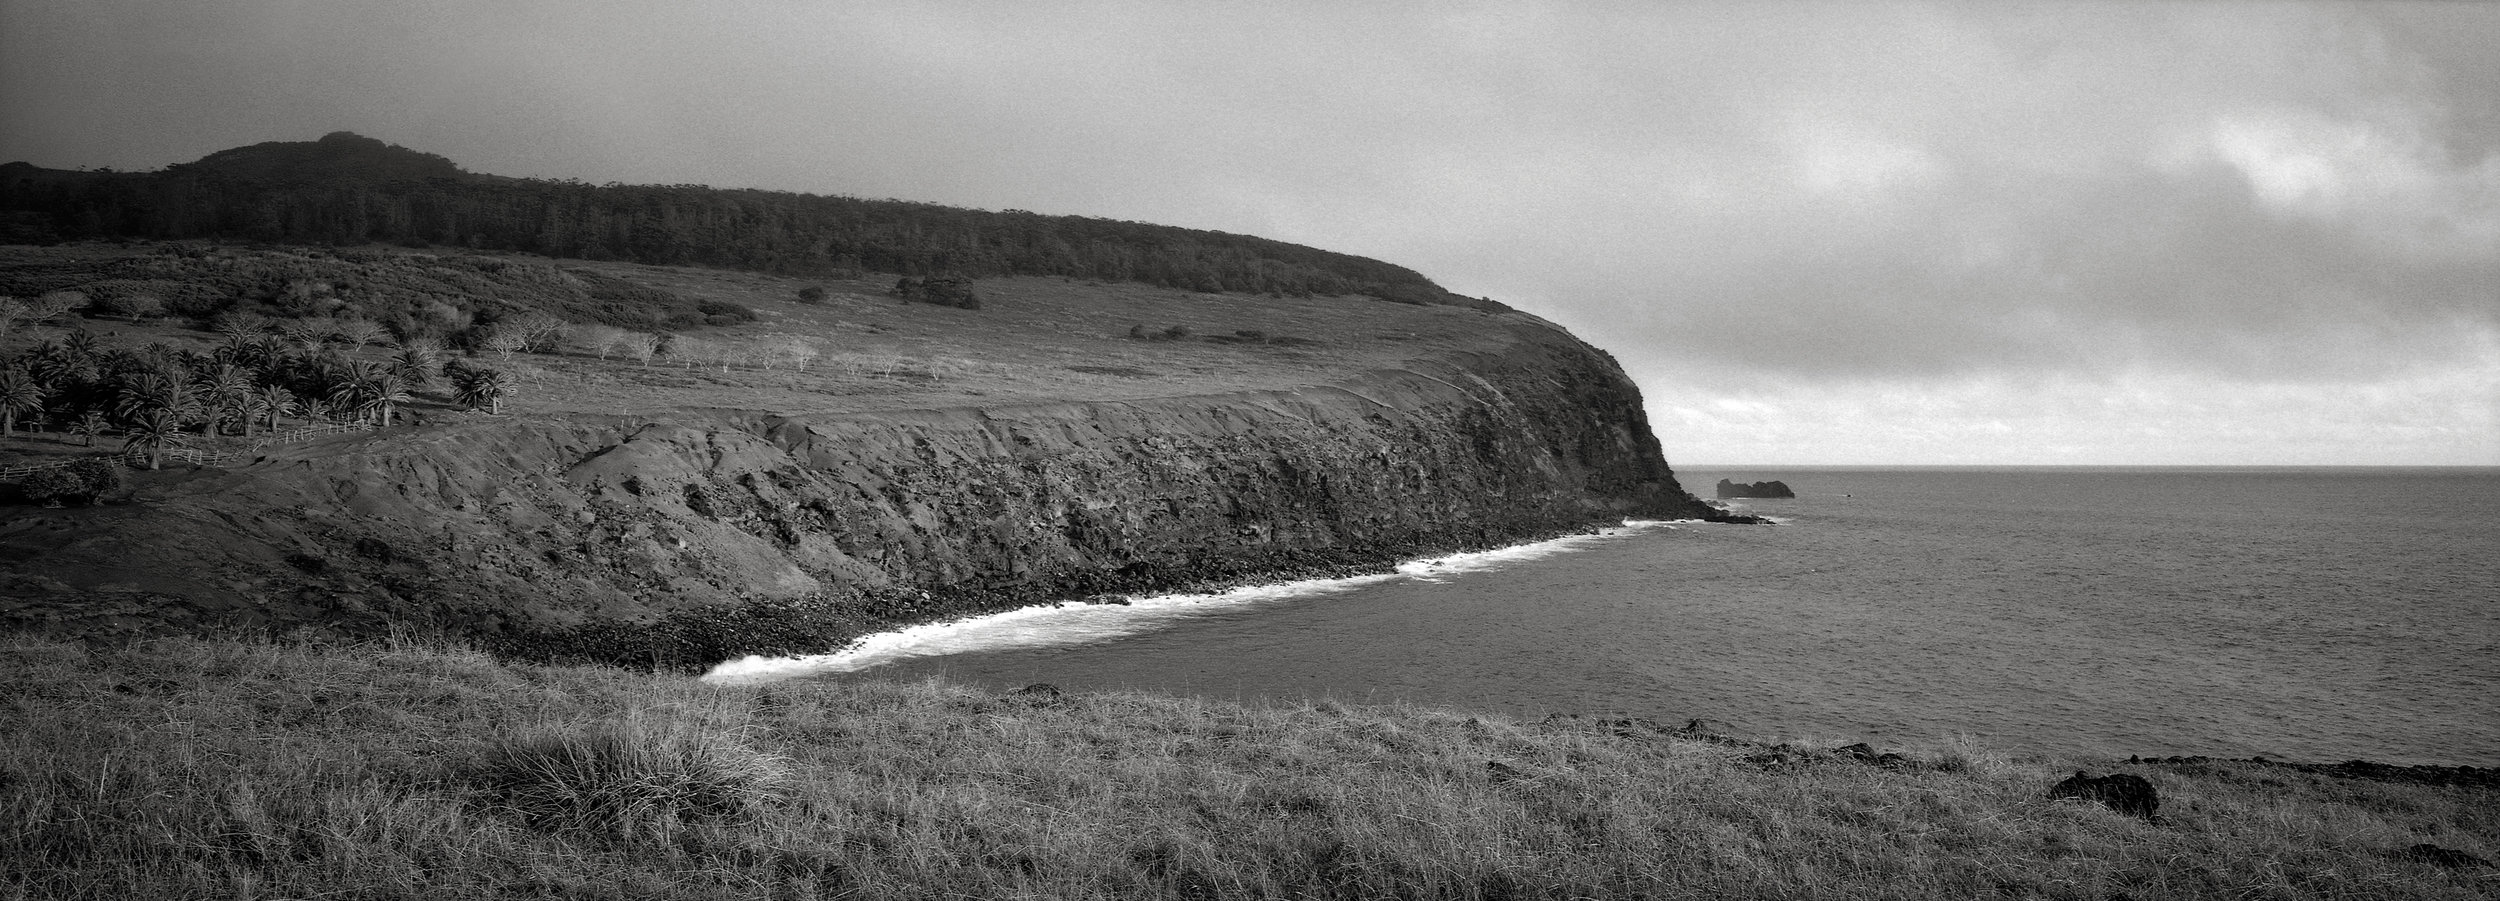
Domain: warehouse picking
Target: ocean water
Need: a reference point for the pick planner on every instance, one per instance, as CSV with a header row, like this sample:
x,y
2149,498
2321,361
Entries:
x,y
2301,614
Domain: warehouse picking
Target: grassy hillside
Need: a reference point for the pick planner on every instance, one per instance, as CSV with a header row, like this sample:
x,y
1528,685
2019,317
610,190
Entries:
x,y
201,768
725,339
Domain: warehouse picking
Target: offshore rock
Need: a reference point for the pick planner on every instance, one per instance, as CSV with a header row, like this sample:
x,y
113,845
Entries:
x,y
1771,489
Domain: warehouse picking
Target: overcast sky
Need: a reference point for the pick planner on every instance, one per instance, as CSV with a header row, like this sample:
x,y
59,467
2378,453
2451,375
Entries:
x,y
2108,232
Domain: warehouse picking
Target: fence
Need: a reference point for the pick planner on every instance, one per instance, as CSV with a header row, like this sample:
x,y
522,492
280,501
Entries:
x,y
136,458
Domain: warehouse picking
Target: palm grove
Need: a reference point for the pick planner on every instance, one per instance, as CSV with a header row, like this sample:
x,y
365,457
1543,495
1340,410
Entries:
x,y
261,374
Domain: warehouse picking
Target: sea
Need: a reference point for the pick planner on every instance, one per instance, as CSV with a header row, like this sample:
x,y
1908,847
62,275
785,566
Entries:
x,y
2302,614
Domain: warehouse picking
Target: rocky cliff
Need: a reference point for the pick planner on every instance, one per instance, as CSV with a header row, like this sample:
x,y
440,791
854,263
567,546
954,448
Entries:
x,y
685,537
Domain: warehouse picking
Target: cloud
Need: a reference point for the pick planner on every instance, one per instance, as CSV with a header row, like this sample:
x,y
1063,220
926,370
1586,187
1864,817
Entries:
x,y
1906,205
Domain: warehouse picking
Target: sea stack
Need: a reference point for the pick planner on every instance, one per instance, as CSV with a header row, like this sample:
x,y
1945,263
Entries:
x,y
1771,489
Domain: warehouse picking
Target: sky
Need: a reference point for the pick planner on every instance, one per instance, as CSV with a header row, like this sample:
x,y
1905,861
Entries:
x,y
2212,233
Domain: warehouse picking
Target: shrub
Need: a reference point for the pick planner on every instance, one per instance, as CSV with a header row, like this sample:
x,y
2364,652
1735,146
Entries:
x,y
941,290
628,779
78,483
133,306
714,311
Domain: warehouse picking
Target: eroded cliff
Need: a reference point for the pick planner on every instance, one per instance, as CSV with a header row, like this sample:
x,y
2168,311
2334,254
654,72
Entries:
x,y
693,535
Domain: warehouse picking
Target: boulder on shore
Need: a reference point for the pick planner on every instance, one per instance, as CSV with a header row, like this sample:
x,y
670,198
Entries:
x,y
1757,489
2123,792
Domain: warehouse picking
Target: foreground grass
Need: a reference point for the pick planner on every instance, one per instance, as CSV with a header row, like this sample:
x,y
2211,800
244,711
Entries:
x,y
198,768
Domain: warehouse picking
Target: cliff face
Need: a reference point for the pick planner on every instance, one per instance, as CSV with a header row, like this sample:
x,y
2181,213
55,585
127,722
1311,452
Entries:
x,y
530,530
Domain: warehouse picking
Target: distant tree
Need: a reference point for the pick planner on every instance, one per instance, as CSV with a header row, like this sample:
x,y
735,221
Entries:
x,y
503,340
360,332
55,303
798,352
20,395
601,339
538,332
241,326
307,335
642,346
13,313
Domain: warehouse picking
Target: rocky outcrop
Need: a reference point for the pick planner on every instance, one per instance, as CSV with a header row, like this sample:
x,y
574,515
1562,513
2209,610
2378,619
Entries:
x,y
2123,792
748,532
1772,489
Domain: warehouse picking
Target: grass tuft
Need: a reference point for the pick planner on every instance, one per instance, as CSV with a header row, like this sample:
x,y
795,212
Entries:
x,y
642,776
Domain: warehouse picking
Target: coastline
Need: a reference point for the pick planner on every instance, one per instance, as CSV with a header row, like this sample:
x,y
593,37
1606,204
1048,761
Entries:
x,y
1112,617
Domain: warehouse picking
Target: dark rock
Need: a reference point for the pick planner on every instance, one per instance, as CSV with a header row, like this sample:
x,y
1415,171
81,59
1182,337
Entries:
x,y
1772,489
2425,774
1861,753
2123,792
2444,857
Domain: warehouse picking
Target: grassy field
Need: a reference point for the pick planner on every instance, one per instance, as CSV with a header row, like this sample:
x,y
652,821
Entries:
x,y
1035,340
198,768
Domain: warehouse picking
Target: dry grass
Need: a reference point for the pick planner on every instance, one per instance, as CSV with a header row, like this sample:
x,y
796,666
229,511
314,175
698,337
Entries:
x,y
1036,340
193,768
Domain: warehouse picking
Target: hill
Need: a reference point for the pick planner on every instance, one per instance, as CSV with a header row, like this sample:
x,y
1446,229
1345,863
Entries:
x,y
677,464
345,189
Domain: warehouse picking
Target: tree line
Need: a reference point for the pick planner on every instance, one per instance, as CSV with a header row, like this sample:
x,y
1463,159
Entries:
x,y
346,189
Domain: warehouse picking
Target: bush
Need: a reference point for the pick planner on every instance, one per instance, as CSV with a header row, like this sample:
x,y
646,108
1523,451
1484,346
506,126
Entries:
x,y
941,290
715,311
633,778
78,483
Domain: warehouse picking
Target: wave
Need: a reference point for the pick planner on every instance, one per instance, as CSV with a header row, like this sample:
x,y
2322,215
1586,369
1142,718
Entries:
x,y
1060,625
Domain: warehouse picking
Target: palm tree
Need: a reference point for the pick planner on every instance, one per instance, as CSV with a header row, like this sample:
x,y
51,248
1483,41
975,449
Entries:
x,y
155,391
273,401
415,362
223,387
150,431
90,424
372,391
19,393
484,388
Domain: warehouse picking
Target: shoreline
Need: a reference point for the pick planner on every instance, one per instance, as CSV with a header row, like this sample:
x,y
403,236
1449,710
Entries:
x,y
1113,617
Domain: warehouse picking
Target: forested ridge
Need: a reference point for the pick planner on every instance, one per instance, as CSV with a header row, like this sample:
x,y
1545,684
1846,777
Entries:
x,y
345,189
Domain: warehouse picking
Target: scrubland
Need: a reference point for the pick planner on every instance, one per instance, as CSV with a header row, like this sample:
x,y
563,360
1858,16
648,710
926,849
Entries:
x,y
232,768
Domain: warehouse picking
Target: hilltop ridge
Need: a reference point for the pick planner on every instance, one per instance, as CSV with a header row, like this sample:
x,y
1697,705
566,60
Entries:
x,y
347,189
